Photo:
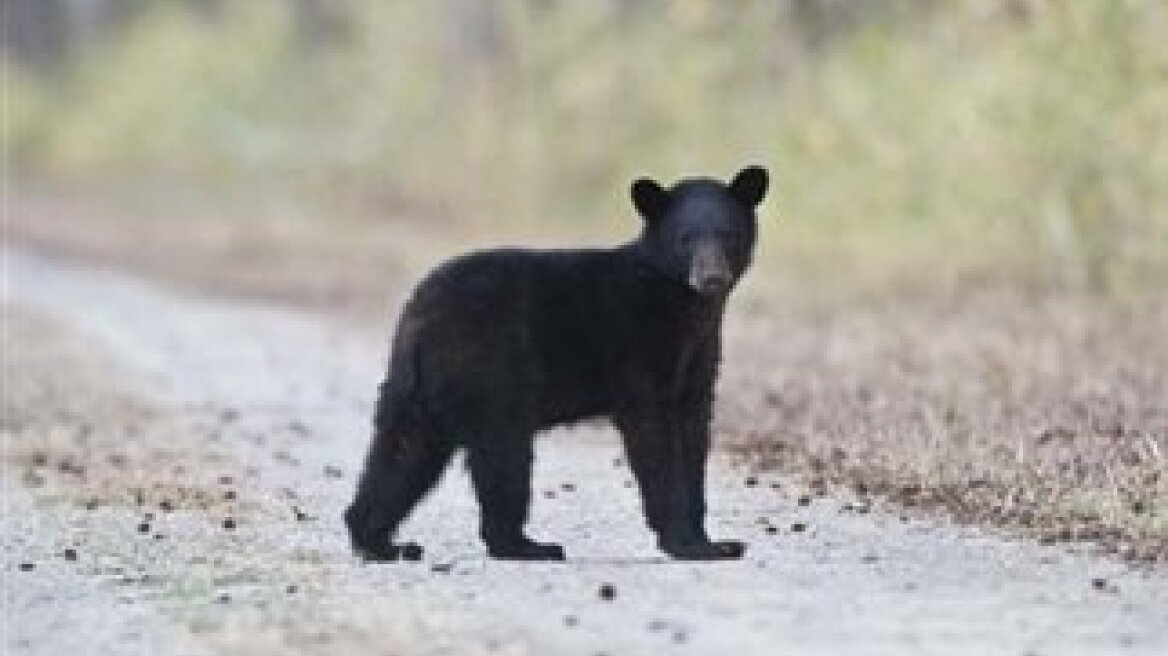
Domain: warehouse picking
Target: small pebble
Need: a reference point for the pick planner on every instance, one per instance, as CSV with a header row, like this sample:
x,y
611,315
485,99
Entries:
x,y
607,591
229,495
165,505
798,527
568,487
70,554
441,568
804,500
27,567
144,527
751,481
1102,585
291,588
771,530
229,524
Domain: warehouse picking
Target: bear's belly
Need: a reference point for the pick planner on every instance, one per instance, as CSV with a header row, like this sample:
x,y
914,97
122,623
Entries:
x,y
568,401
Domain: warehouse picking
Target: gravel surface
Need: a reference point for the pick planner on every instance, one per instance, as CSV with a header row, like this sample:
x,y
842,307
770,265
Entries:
x,y
257,423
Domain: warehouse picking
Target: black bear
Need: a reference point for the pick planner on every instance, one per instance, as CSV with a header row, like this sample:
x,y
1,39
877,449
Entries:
x,y
496,345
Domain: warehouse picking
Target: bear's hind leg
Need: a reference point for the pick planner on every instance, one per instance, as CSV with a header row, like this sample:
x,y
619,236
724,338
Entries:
x,y
396,477
501,472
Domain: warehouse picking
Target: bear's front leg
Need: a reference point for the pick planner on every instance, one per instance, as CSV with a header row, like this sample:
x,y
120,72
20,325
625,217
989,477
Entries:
x,y
669,464
691,453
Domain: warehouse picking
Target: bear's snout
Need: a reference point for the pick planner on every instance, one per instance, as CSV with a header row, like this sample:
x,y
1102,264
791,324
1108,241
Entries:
x,y
709,272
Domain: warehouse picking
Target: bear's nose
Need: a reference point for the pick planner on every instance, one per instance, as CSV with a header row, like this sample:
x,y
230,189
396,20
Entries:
x,y
709,273
713,284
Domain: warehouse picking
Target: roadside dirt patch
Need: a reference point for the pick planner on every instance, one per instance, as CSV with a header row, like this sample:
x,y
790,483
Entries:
x,y
135,528
76,433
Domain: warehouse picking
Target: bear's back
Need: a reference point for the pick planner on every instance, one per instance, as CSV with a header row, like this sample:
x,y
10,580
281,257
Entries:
x,y
492,284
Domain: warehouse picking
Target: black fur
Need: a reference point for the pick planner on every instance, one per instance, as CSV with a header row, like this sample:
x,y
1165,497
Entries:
x,y
496,345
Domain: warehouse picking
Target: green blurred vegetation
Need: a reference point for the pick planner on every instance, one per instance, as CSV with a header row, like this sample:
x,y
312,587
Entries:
x,y
1014,138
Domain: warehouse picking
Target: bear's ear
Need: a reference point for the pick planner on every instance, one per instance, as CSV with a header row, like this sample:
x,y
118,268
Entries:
x,y
650,198
750,185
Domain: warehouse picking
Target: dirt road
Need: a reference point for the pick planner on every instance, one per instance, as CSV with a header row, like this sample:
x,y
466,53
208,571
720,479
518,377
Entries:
x,y
210,523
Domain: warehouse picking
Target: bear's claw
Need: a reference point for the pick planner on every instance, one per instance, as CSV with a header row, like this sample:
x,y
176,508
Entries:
x,y
389,553
527,550
718,550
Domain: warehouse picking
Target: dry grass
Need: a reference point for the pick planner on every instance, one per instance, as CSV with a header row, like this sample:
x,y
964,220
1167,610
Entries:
x,y
1048,415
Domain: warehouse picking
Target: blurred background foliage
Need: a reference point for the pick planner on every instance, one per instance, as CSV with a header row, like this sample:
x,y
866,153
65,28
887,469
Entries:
x,y
1021,140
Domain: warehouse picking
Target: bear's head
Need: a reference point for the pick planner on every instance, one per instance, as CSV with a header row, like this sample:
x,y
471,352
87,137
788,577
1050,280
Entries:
x,y
701,232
